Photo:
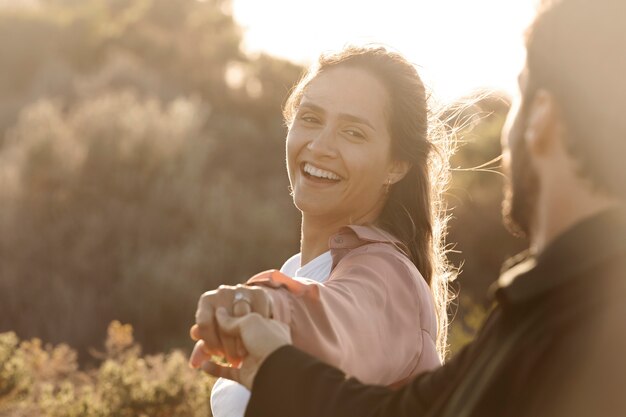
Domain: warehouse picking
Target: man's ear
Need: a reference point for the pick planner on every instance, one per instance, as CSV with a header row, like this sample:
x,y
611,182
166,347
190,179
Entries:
x,y
399,169
542,123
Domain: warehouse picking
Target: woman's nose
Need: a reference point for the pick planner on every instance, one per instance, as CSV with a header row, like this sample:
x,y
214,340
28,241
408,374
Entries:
x,y
323,142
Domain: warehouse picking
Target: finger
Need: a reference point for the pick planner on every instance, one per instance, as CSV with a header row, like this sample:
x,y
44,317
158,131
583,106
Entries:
x,y
232,326
230,349
204,313
260,300
209,334
206,327
228,346
225,322
263,304
240,348
199,355
221,371
194,332
240,309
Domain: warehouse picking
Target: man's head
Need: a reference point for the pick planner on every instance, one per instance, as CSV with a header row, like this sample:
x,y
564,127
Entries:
x,y
573,99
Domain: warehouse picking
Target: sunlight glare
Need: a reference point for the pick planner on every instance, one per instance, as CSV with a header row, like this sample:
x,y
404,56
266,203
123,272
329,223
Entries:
x,y
458,45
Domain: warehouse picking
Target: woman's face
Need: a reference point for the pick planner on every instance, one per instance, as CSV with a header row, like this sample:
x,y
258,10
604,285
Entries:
x,y
338,147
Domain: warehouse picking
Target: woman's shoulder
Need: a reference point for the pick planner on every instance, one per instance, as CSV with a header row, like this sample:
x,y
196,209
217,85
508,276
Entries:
x,y
384,261
371,248
357,240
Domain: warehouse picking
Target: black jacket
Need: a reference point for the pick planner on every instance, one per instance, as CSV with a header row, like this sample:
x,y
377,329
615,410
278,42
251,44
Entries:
x,y
554,345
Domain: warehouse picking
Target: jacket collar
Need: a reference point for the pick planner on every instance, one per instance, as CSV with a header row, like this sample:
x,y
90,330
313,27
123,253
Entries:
x,y
354,236
591,242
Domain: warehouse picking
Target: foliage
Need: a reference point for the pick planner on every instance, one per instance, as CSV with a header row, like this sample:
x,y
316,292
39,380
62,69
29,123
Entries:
x,y
44,381
133,176
464,328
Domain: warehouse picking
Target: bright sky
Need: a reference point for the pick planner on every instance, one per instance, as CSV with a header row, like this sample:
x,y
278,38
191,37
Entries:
x,y
458,45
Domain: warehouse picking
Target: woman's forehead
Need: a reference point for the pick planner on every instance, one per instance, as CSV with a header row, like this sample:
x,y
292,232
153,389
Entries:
x,y
347,90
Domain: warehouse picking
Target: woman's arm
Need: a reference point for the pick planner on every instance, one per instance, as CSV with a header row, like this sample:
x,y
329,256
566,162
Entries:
x,y
365,319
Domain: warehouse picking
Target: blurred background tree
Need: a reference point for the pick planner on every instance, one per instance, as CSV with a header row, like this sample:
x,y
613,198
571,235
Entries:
x,y
142,162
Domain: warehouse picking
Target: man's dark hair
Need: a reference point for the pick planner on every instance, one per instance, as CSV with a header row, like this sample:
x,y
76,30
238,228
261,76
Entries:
x,y
577,52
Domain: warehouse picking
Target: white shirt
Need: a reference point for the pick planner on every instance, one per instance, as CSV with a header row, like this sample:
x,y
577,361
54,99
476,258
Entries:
x,y
318,269
230,399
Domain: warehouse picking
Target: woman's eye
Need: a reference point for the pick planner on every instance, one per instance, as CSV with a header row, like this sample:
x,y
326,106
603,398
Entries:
x,y
355,133
309,119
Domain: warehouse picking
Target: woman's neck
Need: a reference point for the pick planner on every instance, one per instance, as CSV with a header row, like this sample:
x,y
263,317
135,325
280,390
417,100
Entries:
x,y
315,234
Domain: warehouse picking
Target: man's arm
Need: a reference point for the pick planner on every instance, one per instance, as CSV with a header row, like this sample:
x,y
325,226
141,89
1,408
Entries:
x,y
288,382
292,383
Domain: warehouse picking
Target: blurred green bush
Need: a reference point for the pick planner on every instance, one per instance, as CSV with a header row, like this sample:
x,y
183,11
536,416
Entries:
x,y
38,380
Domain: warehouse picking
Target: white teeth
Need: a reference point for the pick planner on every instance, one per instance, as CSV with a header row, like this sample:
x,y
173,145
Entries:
x,y
316,172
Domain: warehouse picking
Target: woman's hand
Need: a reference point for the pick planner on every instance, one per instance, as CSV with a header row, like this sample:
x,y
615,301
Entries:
x,y
237,301
260,336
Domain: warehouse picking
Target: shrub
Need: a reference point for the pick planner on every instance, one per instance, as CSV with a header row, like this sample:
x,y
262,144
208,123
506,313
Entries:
x,y
45,381
116,208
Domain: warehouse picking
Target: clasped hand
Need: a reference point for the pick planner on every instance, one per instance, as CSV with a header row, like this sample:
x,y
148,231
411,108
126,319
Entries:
x,y
233,323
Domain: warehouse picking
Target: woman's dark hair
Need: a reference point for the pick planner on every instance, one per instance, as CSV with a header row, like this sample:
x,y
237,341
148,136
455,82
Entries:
x,y
414,211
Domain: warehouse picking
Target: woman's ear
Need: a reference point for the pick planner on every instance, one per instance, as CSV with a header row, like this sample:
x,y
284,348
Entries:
x,y
398,170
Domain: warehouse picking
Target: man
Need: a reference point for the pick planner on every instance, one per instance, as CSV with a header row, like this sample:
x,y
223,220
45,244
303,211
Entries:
x,y
554,344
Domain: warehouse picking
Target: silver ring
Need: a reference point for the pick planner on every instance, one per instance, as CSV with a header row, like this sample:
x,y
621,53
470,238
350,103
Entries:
x,y
239,296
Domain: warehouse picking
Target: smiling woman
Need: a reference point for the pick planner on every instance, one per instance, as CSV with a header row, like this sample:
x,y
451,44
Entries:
x,y
340,163
367,292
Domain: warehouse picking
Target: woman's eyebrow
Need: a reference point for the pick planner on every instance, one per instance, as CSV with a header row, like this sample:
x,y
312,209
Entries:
x,y
311,106
344,116
356,119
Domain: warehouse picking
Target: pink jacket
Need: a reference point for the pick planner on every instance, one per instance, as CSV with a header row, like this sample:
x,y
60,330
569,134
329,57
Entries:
x,y
373,318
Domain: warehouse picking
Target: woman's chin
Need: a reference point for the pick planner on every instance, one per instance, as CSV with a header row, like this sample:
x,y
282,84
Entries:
x,y
313,207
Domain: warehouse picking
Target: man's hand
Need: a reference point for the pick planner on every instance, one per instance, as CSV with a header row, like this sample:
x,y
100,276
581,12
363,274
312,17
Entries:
x,y
259,335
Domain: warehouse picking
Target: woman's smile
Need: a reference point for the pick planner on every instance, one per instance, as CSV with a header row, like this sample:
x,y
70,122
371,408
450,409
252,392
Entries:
x,y
318,175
